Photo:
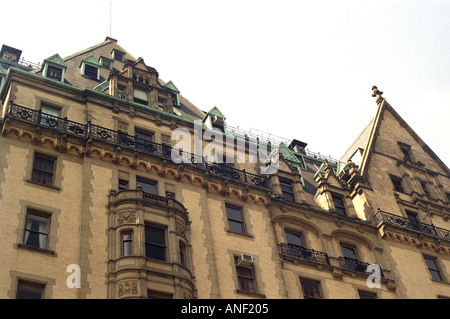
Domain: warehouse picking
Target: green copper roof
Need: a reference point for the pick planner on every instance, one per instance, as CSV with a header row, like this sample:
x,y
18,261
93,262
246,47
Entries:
x,y
215,112
91,60
102,86
172,86
57,60
2,70
289,156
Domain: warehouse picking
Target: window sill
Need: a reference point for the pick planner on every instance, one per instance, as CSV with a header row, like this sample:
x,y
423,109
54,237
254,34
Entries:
x,y
36,249
39,184
239,234
251,294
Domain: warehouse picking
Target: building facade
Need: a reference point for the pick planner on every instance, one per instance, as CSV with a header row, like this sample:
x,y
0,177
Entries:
x,y
94,205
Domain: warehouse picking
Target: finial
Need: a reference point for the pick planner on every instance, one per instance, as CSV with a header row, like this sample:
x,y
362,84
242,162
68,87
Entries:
x,y
377,94
376,91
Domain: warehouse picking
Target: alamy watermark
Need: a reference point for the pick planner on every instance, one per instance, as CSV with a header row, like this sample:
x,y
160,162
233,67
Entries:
x,y
190,149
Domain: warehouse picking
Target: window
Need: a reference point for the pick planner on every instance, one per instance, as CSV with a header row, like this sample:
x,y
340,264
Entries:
x,y
339,205
161,104
367,295
118,55
49,116
287,190
127,243
143,135
413,221
28,290
54,73
140,97
123,185
433,268
43,169
245,276
405,152
155,242
397,182
294,238
349,252
310,289
182,252
147,185
106,63
121,92
91,71
36,229
158,295
235,220
425,188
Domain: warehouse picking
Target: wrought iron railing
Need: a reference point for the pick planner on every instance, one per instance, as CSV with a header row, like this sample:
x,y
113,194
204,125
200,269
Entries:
x,y
304,253
356,265
406,223
100,133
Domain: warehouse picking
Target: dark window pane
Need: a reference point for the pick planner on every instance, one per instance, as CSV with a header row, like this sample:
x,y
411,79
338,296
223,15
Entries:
x,y
236,226
397,184
29,291
234,214
294,238
123,185
54,73
147,186
310,290
339,205
90,71
155,252
367,295
348,252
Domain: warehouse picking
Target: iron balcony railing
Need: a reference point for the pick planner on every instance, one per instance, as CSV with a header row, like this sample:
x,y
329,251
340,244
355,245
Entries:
x,y
356,265
100,133
411,224
304,253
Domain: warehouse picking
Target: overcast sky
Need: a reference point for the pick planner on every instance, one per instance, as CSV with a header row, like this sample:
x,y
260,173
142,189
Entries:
x,y
295,69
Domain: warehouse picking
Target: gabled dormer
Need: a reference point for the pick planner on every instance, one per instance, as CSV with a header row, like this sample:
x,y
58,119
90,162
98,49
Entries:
x,y
175,93
54,68
90,67
215,119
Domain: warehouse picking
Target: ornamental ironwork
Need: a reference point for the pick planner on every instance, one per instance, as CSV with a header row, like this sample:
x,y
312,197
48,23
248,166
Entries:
x,y
356,265
103,134
412,224
304,253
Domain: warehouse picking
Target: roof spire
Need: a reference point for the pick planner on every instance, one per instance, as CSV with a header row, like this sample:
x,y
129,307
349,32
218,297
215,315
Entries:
x,y
377,94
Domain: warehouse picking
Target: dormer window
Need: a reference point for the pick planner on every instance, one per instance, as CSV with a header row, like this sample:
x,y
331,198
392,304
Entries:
x,y
106,63
140,97
54,68
118,55
90,68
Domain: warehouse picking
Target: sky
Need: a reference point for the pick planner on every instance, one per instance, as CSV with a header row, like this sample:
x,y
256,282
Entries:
x,y
289,68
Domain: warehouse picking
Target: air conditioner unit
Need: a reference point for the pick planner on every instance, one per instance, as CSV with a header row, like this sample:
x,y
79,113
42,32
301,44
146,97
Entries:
x,y
245,260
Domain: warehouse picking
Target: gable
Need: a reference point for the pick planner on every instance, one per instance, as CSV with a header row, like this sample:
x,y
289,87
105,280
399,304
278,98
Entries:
x,y
393,131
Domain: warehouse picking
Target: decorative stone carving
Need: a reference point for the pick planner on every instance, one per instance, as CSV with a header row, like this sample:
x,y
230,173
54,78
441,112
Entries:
x,y
180,230
127,288
126,218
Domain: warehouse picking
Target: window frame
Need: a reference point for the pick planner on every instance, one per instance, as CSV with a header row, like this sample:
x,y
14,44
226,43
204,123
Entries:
x,y
437,271
241,222
245,274
124,241
288,190
425,188
341,210
144,180
294,233
30,284
312,283
37,213
397,187
51,69
164,245
34,169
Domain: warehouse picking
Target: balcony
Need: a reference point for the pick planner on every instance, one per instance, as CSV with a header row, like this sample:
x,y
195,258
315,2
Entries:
x,y
356,265
304,253
99,133
413,225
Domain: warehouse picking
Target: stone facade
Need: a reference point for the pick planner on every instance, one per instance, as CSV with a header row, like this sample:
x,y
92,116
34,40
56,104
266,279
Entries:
x,y
95,186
